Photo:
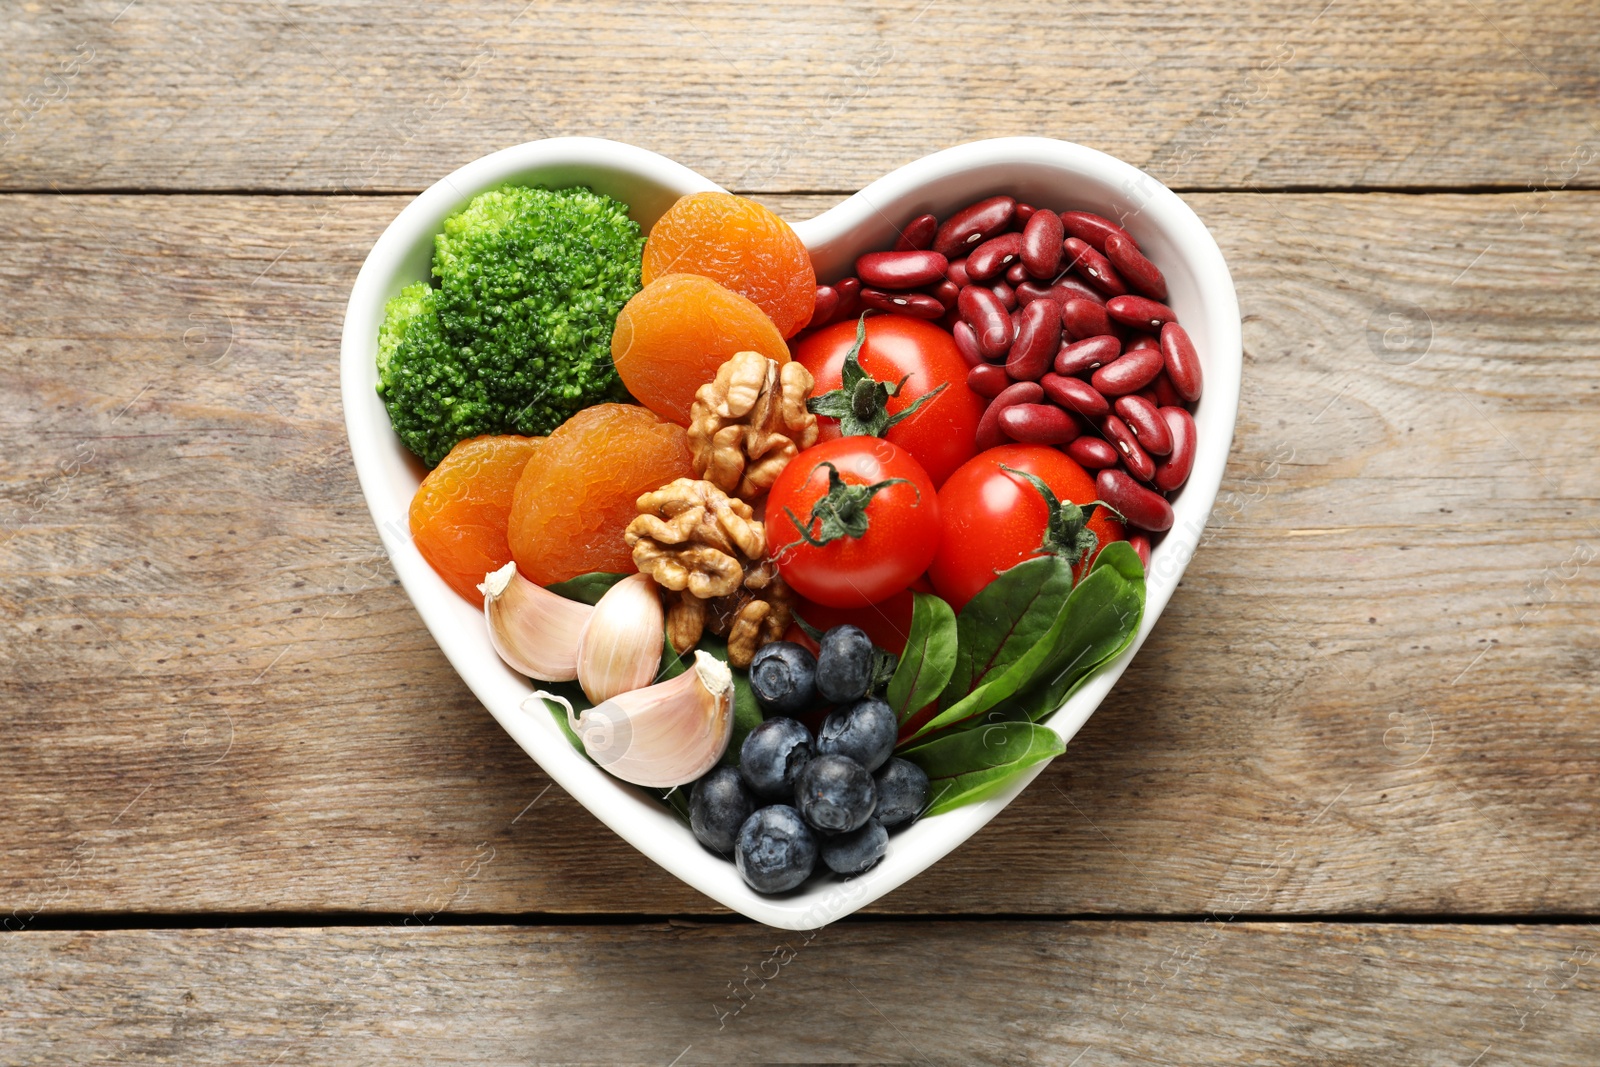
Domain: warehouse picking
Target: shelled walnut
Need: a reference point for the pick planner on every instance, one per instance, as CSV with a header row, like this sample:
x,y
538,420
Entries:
x,y
749,422
708,551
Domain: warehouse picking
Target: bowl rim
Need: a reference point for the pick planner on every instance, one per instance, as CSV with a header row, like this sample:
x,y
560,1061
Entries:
x,y
1161,217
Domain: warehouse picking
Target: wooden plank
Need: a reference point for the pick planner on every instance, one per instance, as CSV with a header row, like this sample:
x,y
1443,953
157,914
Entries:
x,y
1373,693
1016,992
338,95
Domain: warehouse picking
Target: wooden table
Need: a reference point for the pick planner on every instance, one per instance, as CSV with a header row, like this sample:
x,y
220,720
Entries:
x,y
1341,809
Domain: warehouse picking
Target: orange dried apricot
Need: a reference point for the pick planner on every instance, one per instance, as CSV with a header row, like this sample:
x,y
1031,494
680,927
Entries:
x,y
580,491
738,244
460,512
674,334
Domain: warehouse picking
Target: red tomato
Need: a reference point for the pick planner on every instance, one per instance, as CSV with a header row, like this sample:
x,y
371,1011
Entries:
x,y
943,433
994,520
856,567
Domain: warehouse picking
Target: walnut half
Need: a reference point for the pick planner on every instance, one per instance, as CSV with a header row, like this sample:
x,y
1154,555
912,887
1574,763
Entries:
x,y
749,422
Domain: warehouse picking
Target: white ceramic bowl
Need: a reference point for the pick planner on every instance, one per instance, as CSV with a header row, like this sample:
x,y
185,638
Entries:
x,y
1035,169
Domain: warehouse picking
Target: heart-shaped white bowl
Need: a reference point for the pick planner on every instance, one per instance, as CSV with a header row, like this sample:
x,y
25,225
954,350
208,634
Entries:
x,y
1039,170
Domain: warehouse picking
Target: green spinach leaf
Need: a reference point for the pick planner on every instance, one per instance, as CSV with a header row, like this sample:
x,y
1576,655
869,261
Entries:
x,y
586,588
969,765
928,660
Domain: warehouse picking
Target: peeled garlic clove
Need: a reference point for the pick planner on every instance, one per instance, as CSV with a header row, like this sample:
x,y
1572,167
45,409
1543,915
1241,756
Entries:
x,y
534,630
663,735
619,649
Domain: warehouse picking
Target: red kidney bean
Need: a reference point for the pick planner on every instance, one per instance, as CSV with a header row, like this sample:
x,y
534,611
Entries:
x,y
1148,394
987,316
946,292
948,320
1016,274
1145,420
1139,311
827,304
1165,395
1183,362
1076,395
1174,471
1023,213
1042,245
967,342
989,432
1087,226
849,290
918,234
1093,266
974,223
1089,354
1085,318
1141,547
1038,424
990,259
1140,274
1143,341
1093,452
988,379
1127,374
917,305
1038,338
957,272
901,270
1141,507
1007,295
1133,455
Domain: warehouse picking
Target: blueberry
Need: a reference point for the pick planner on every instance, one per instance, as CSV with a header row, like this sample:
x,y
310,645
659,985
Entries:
x,y
865,731
844,666
718,805
784,677
835,793
776,850
772,756
902,792
856,851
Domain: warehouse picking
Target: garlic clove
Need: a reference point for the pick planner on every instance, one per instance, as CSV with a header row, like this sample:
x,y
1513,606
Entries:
x,y
534,630
663,735
619,649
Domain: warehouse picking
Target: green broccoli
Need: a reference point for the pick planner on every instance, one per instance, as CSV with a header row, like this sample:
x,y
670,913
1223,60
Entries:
x,y
517,335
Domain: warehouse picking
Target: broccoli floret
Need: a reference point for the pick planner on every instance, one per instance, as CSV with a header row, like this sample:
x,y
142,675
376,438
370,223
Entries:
x,y
517,335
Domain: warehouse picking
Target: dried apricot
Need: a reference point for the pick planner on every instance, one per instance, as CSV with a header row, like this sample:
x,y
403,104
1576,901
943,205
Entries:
x,y
580,491
674,334
741,245
460,512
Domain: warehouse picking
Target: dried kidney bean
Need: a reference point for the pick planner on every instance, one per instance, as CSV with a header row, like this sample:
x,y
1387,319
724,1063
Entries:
x,y
987,316
990,259
1140,274
826,306
1093,266
1089,227
1093,452
1038,338
918,234
1089,354
849,290
1139,311
1183,362
1038,424
1165,395
1174,470
957,272
988,379
1142,341
901,270
946,292
967,343
1144,419
1007,295
989,432
1134,457
974,223
1084,318
1142,508
1141,547
1023,213
1127,374
1042,245
917,305
1016,274
1074,394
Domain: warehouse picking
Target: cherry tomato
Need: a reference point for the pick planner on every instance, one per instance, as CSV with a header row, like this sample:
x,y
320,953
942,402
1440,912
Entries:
x,y
853,521
994,520
942,434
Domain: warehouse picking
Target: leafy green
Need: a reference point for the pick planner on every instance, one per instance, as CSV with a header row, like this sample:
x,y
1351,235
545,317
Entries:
x,y
929,657
970,765
586,588
1003,636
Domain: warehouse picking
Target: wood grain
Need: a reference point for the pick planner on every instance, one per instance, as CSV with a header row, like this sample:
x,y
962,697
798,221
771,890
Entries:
x,y
1373,693
342,95
1019,992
